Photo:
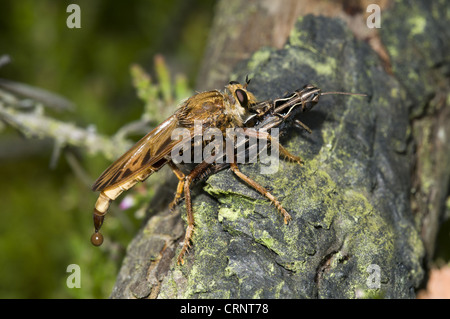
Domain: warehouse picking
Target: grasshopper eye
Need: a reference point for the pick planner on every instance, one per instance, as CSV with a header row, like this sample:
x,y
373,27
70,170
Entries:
x,y
242,97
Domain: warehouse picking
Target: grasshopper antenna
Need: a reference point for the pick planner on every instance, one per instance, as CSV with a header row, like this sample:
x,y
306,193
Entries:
x,y
302,125
343,93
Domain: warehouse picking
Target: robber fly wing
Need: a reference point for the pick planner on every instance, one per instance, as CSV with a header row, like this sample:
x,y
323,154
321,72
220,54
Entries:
x,y
149,154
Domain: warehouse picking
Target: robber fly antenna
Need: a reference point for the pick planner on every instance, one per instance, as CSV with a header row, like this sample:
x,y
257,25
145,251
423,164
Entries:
x,y
247,81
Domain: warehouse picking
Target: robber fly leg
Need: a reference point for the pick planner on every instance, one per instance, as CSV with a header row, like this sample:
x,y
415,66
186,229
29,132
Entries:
x,y
199,169
181,177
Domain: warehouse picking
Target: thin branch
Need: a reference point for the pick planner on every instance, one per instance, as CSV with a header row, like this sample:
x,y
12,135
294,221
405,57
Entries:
x,y
52,100
37,125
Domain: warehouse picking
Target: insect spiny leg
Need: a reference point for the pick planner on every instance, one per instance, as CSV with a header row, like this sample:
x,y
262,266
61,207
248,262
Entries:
x,y
179,193
197,171
302,125
261,190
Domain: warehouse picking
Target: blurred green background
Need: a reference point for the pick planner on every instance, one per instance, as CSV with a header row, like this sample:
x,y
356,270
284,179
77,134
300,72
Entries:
x,y
46,213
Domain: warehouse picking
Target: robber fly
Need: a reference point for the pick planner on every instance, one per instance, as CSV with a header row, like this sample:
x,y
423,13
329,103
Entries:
x,y
235,107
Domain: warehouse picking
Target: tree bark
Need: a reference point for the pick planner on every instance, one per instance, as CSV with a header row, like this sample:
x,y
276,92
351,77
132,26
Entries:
x,y
357,228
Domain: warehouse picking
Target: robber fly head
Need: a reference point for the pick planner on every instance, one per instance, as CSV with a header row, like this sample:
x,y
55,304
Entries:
x,y
245,98
240,100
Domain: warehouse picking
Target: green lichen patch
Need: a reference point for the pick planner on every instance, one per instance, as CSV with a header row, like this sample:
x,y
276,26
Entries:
x,y
409,34
320,211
